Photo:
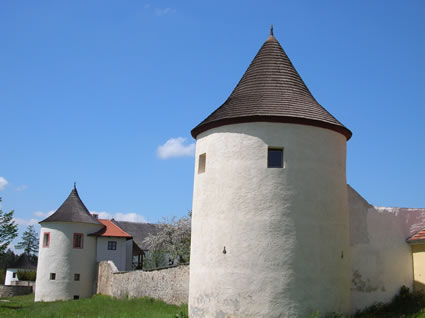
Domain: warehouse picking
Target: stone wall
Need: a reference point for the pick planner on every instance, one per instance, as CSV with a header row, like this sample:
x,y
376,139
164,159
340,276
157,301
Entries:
x,y
170,285
9,291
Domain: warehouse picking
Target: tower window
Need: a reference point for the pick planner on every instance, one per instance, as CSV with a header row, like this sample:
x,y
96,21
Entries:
x,y
46,239
76,297
76,277
52,276
202,162
78,240
112,245
275,158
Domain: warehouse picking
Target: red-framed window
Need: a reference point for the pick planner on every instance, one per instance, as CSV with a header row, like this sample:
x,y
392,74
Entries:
x,y
78,241
46,239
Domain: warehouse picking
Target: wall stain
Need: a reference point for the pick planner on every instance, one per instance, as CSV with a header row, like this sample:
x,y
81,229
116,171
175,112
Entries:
x,y
362,285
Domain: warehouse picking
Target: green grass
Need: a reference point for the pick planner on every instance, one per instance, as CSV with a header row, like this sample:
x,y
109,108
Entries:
x,y
97,306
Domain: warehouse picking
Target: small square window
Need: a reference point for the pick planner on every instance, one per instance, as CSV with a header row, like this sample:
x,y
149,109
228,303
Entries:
x,y
202,163
78,240
112,245
52,276
275,158
14,275
46,239
77,277
76,297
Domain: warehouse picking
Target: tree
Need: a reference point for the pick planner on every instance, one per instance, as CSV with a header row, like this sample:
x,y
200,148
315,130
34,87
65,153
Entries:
x,y
29,242
173,239
154,259
8,230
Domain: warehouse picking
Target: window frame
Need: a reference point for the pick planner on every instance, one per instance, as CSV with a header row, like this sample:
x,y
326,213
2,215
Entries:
x,y
52,276
77,277
44,245
74,241
112,244
282,162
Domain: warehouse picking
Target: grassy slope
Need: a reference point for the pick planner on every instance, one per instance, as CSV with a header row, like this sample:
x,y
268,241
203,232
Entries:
x,y
97,306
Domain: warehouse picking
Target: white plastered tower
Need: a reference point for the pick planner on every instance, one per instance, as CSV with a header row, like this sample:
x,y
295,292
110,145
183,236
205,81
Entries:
x,y
67,253
270,234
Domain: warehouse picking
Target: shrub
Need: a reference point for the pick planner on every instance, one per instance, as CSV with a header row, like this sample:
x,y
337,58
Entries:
x,y
404,303
24,275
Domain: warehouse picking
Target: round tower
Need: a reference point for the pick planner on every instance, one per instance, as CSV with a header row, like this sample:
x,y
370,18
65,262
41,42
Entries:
x,y
67,254
270,234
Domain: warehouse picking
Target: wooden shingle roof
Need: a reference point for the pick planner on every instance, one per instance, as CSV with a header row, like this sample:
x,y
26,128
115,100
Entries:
x,y
72,210
271,90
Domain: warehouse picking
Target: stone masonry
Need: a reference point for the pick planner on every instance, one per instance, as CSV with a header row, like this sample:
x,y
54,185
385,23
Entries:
x,y
170,285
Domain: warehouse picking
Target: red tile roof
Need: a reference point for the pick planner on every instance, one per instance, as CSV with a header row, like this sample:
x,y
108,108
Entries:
x,y
419,236
112,230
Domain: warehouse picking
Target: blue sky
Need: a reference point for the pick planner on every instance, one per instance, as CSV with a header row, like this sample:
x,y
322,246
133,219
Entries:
x,y
89,91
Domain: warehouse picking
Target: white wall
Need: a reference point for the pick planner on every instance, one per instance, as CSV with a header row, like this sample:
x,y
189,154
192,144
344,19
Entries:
x,y
64,260
381,258
9,276
285,230
118,256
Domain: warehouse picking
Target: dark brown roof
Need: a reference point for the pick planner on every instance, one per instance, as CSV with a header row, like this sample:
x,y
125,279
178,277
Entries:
x,y
72,210
271,90
139,231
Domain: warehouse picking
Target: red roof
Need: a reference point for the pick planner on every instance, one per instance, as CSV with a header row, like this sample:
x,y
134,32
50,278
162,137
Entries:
x,y
112,230
419,236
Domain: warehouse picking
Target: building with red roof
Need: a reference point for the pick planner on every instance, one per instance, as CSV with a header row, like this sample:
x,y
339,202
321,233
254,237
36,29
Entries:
x,y
73,241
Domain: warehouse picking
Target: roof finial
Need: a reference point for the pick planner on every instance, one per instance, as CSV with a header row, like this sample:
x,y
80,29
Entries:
x,y
75,185
271,30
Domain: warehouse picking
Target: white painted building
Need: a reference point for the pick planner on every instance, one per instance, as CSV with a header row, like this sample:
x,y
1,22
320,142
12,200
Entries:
x,y
276,230
270,231
72,242
23,264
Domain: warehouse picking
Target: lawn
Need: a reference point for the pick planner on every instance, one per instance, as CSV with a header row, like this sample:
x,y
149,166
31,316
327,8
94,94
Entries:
x,y
97,306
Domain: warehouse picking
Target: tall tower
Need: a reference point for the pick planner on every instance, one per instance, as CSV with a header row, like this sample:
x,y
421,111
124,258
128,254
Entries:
x,y
67,254
270,234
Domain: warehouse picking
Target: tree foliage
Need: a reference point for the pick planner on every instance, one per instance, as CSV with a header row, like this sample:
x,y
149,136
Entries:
x,y
155,259
173,239
8,229
29,242
7,260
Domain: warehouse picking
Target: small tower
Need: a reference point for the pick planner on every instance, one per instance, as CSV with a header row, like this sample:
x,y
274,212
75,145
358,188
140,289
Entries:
x,y
270,235
67,254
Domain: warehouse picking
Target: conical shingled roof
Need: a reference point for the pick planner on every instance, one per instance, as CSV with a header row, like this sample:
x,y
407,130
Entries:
x,y
72,210
271,90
